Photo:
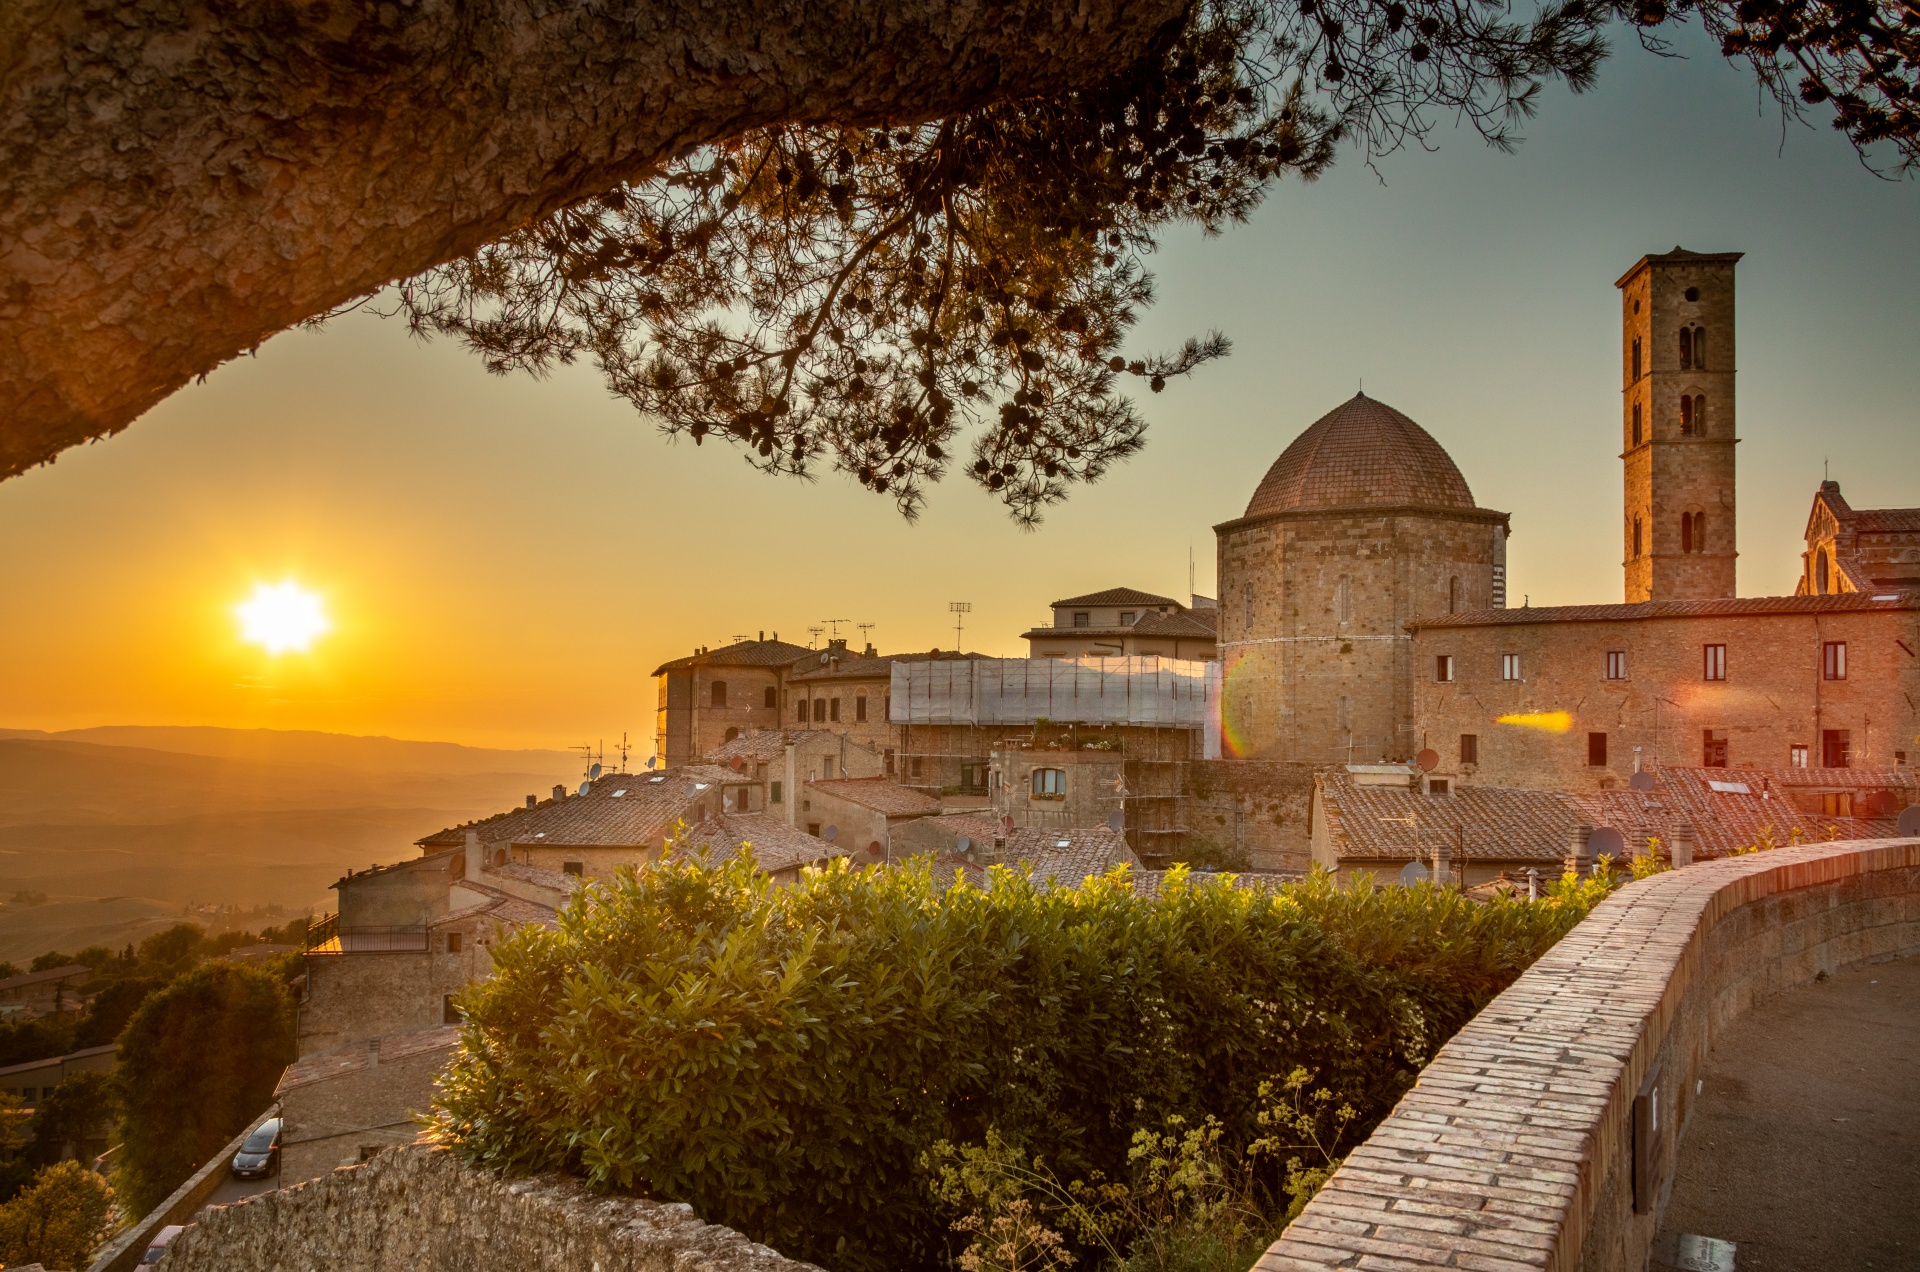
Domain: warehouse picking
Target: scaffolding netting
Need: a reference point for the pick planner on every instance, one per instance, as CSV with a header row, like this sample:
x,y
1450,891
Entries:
x,y
1164,692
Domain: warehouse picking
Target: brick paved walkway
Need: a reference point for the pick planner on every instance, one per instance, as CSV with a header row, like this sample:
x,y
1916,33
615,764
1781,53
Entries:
x,y
1804,1147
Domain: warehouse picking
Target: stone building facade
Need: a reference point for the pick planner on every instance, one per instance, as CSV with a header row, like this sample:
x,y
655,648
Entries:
x,y
1677,425
1858,550
1580,697
1124,622
1362,525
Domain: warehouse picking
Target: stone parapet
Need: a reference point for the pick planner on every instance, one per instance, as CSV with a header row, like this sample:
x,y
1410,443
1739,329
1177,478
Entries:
x,y
421,1210
1542,1136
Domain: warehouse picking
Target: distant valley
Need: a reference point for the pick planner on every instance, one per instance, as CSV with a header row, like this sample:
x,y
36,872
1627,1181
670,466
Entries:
x,y
124,830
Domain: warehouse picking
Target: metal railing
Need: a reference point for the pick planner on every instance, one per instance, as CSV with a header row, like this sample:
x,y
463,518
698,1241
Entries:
x,y
328,937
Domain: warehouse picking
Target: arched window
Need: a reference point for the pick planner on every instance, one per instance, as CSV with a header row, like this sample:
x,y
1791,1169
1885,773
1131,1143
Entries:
x,y
1686,532
1700,348
1343,599
1636,423
1636,538
1636,358
731,734
1686,417
719,693
1700,415
1820,574
1686,348
1699,534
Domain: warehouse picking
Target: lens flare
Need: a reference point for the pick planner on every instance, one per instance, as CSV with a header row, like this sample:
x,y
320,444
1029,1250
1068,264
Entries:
x,y
282,618
1545,721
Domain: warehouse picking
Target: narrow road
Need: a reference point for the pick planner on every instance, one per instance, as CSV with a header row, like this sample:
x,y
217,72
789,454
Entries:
x,y
1803,1149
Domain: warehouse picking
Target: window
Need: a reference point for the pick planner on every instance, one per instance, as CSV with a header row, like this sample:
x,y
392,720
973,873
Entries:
x,y
1700,348
1797,754
1636,357
1616,664
1636,423
1596,750
1686,348
743,800
1713,748
1700,416
1082,618
860,708
730,735
1443,667
800,711
887,762
1469,748
1836,748
1686,416
771,699
449,1014
577,869
1509,666
1127,618
813,828
1437,786
774,792
819,710
1713,660
1636,537
1833,660
826,767
1837,803
719,693
913,766
1049,783
1820,572
453,942
1343,599
1686,532
1693,532
833,711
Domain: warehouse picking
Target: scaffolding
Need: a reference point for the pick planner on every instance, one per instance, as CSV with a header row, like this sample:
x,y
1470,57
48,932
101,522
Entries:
x,y
1152,692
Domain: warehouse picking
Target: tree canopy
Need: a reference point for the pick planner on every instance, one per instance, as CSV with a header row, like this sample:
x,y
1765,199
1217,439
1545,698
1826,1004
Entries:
x,y
891,239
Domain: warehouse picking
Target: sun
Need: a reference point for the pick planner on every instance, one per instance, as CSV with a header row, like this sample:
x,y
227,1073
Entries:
x,y
282,618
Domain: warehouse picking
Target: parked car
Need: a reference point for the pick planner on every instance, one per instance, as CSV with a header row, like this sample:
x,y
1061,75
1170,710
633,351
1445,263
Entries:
x,y
159,1246
260,1155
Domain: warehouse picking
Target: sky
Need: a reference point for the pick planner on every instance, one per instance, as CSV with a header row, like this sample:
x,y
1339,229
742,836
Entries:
x,y
506,560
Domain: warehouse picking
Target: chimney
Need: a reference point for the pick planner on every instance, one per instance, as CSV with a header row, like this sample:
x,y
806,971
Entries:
x,y
474,859
1681,849
868,652
1579,855
373,1053
763,633
559,793
1442,869
532,801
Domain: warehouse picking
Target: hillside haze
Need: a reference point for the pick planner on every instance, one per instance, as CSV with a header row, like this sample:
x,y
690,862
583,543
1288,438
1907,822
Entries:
x,y
126,829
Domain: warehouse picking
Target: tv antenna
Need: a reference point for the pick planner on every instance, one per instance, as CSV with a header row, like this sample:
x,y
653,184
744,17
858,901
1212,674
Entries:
x,y
864,629
813,635
959,610
624,748
835,624
741,639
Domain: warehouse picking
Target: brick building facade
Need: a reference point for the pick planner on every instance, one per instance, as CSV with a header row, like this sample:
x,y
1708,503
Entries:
x,y
1580,697
1858,550
1363,524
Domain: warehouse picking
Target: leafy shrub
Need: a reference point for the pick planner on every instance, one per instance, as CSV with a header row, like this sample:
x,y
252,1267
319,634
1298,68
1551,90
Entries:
x,y
782,1058
58,1220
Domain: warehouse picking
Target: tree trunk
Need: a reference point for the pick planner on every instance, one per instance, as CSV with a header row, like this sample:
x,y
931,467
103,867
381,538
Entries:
x,y
180,179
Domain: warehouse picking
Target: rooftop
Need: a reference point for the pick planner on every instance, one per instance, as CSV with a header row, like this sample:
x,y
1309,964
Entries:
x,y
69,972
759,745
880,794
618,810
1729,607
775,846
1118,596
1362,453
745,653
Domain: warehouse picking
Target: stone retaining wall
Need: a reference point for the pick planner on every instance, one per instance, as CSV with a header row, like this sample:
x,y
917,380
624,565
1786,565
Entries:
x,y
420,1210
1543,1135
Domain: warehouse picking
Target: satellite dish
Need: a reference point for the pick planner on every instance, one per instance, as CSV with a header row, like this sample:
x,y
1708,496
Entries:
x,y
1428,760
1608,842
830,834
1910,820
652,760
593,772
585,787
963,845
1641,781
1117,822
1413,873
738,763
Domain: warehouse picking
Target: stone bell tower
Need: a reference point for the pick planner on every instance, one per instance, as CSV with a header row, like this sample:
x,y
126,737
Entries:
x,y
1677,425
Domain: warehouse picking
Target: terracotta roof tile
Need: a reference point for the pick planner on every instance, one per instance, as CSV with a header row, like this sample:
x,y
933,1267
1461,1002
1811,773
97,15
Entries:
x,y
745,653
1066,857
1729,607
879,794
1886,521
618,810
1118,596
774,844
760,745
1362,453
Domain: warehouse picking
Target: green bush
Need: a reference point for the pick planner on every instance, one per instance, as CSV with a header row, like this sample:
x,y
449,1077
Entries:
x,y
58,1220
783,1058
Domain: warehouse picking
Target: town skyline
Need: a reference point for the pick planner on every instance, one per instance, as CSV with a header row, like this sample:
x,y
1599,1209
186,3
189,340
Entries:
x,y
517,555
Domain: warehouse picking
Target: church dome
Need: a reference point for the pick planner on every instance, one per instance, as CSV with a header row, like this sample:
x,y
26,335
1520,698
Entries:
x,y
1361,453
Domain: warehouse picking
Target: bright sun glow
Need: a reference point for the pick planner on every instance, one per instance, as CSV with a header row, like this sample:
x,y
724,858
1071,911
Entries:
x,y
281,618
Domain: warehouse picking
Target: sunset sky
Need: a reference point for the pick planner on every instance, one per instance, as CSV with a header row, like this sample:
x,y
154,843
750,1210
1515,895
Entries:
x,y
504,561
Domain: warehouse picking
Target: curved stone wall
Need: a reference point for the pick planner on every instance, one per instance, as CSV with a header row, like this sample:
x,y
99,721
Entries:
x,y
1543,1135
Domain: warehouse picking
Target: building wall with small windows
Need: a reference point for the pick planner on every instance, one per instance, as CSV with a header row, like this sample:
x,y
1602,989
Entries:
x,y
1575,697
1055,788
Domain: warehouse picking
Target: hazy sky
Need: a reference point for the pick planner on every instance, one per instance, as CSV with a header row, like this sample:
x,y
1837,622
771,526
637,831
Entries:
x,y
507,560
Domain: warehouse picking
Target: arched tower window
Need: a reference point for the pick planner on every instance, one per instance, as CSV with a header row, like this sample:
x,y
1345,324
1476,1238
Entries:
x,y
1686,348
1686,417
1699,412
1636,357
1700,348
1820,571
1636,423
1636,538
1686,532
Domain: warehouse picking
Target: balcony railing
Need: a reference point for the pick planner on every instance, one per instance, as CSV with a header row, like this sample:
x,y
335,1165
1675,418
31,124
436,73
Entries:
x,y
328,937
